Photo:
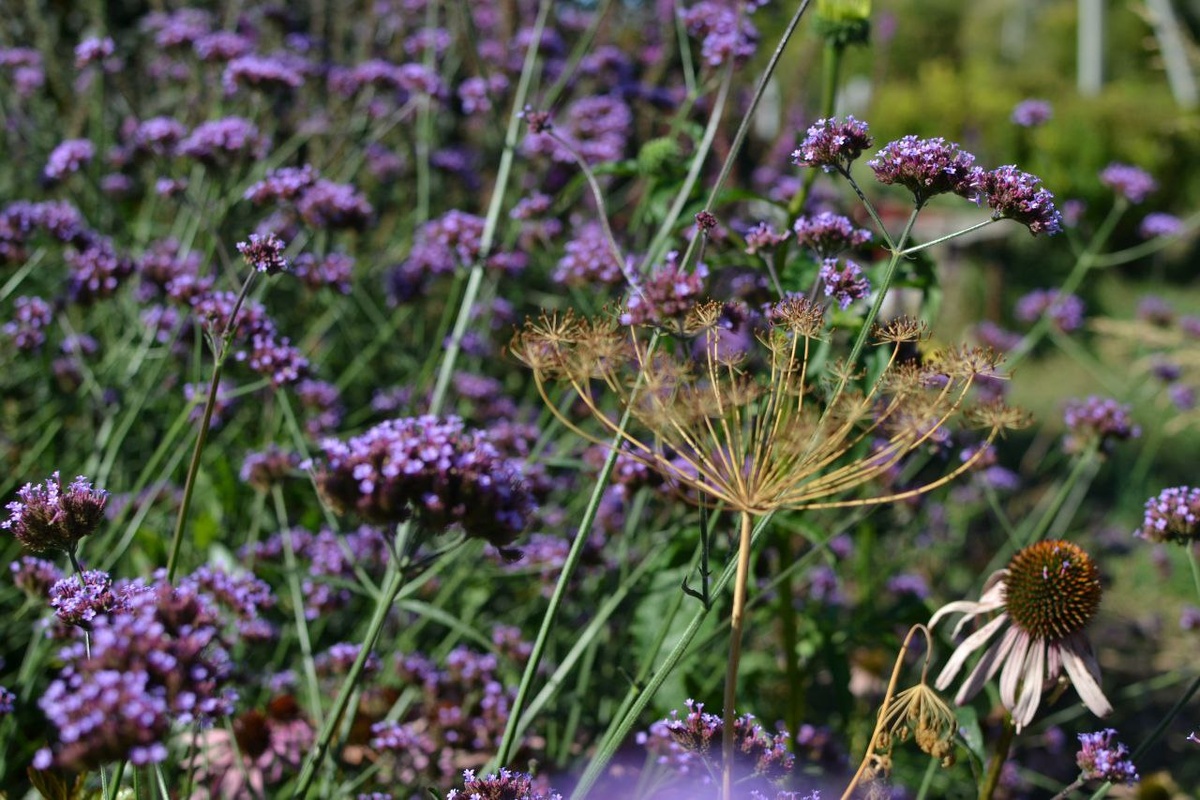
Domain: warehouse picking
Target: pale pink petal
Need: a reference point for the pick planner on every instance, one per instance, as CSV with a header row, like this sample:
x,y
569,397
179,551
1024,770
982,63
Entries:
x,y
969,607
969,645
1031,689
1014,671
992,660
1084,672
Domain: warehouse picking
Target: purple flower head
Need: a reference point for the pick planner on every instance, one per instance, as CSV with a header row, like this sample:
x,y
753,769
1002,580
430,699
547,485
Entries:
x,y
8,702
93,50
264,253
503,785
432,471
283,184
77,599
69,157
178,28
261,72
1097,419
833,144
764,237
1172,516
1065,312
222,46
30,318
667,293
926,167
595,127
1159,224
97,271
844,281
267,468
1101,757
828,234
155,662
909,583
338,659
1013,194
158,135
229,137
1155,310
1182,396
588,260
334,271
989,334
331,205
724,31
322,405
274,357
1134,184
35,576
1031,113
49,517
691,746
1189,618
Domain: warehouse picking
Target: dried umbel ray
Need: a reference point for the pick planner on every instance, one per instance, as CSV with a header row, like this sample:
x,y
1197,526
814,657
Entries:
x,y
758,432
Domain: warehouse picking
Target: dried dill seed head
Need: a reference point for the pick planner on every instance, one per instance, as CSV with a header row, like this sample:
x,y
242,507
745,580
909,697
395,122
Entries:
x,y
759,430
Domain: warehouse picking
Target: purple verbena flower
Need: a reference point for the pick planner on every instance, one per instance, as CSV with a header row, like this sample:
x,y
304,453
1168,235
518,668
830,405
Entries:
x,y
1016,195
283,184
229,137
77,599
266,468
1097,419
68,158
1189,618
158,135
691,746
274,357
49,517
260,72
97,271
221,46
724,30
333,271
843,281
1128,181
1101,757
338,659
1172,516
93,50
762,237
667,293
926,167
1159,224
828,234
31,317
1031,113
588,260
432,471
8,702
326,204
34,576
1065,312
501,785
156,662
596,127
264,253
833,144
1155,310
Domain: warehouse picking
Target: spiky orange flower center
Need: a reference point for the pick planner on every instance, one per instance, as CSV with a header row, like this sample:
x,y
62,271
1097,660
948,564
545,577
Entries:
x,y
1052,590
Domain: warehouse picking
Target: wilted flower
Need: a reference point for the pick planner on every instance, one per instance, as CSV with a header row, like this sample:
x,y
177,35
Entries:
x,y
1045,598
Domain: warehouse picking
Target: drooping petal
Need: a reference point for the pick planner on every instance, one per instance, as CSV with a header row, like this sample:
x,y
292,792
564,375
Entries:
x,y
992,660
969,607
1084,672
968,646
1031,688
1014,671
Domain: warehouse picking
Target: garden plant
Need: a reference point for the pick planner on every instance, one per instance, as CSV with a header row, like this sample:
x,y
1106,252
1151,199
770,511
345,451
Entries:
x,y
714,399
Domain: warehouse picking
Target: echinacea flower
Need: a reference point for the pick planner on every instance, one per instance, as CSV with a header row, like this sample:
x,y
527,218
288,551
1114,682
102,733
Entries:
x,y
1045,598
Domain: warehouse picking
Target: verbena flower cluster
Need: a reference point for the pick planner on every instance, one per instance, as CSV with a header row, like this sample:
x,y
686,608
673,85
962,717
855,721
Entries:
x,y
433,471
1173,515
50,517
1101,757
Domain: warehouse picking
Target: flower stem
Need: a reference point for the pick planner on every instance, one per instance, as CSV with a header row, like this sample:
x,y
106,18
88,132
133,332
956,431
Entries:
x,y
736,622
392,583
1191,554
992,779
1066,792
189,486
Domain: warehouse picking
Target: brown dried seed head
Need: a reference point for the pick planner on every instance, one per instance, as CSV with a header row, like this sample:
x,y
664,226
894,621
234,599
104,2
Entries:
x,y
998,416
901,329
798,315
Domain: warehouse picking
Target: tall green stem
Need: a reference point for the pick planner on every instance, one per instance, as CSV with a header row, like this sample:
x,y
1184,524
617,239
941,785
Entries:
x,y
392,583
189,486
992,779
